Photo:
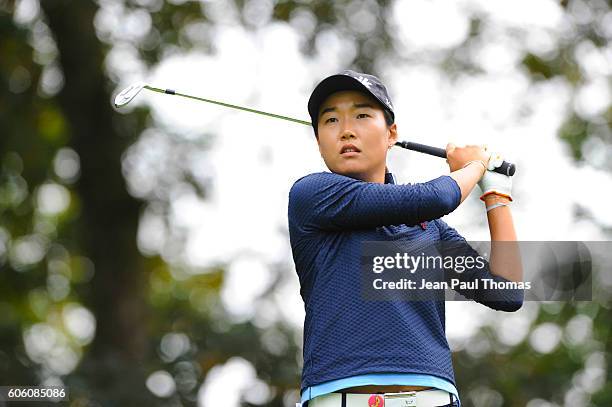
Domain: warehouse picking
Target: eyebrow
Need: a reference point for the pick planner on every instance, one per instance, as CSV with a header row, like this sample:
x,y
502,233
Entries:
x,y
355,105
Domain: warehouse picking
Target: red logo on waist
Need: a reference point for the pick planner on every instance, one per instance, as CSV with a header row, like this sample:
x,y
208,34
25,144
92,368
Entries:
x,y
376,400
423,225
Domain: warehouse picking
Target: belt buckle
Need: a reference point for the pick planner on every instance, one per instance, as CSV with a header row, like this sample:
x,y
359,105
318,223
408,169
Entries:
x,y
403,399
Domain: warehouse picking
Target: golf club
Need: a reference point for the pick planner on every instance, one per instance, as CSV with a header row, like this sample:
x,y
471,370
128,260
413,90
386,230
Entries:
x,y
128,94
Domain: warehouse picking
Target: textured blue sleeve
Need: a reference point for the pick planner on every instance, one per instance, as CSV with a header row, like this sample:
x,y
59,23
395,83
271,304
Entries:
x,y
509,300
329,201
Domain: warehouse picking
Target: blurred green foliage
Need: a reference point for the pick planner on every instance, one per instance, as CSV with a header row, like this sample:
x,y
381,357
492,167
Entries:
x,y
61,141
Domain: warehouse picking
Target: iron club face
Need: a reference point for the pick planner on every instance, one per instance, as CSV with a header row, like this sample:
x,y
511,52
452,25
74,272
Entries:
x,y
126,95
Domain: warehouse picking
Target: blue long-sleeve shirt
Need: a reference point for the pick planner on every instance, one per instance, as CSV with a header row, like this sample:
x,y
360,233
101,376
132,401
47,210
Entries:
x,y
330,216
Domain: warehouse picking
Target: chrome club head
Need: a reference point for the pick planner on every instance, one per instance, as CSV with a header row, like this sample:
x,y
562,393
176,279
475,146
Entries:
x,y
126,95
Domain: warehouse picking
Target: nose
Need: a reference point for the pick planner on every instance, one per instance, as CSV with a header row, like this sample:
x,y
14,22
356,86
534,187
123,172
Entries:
x,y
347,135
346,132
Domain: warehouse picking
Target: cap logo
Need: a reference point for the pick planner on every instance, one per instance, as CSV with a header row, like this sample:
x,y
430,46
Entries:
x,y
364,81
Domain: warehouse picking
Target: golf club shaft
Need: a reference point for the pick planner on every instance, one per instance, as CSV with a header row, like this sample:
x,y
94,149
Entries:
x,y
278,116
506,168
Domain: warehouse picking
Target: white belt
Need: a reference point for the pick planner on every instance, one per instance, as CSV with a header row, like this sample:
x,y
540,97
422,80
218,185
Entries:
x,y
423,398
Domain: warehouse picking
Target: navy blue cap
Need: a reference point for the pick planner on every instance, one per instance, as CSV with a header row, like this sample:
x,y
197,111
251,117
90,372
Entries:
x,y
348,80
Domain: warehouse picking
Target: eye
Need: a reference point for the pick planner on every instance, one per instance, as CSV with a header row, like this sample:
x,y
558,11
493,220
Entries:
x,y
331,118
363,114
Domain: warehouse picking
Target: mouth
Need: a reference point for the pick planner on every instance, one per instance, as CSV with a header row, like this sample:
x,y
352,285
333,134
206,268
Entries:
x,y
349,149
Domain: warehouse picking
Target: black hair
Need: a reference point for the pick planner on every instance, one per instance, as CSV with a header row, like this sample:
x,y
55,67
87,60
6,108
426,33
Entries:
x,y
386,112
388,117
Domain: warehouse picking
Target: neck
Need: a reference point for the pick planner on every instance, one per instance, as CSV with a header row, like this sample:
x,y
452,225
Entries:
x,y
378,177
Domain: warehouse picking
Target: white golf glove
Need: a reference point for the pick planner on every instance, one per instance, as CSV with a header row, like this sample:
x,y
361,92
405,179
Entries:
x,y
493,182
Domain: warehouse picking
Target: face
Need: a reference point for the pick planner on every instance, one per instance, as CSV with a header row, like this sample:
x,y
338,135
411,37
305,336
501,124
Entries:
x,y
353,136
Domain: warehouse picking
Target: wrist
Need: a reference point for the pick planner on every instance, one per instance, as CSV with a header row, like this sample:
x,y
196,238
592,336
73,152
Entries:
x,y
495,205
483,166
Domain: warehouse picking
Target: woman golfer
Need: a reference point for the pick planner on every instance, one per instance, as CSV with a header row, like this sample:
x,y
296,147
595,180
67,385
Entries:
x,y
375,353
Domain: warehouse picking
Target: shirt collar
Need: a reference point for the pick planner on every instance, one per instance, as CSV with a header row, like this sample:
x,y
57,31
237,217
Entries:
x,y
389,178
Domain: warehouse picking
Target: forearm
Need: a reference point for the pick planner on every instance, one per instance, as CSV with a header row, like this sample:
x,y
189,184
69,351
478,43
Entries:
x,y
505,255
467,178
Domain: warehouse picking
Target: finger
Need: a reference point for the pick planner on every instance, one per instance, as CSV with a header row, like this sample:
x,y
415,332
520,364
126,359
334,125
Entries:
x,y
495,161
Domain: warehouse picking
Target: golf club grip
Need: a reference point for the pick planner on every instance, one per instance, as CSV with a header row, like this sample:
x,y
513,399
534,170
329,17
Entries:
x,y
506,168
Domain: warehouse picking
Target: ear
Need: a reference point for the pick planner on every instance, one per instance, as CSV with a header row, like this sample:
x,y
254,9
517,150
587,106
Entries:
x,y
392,135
